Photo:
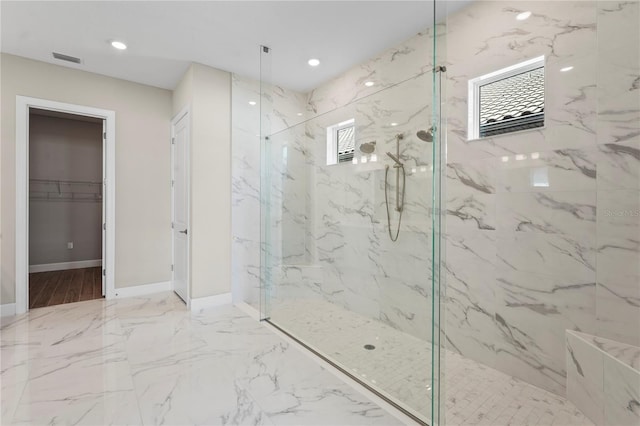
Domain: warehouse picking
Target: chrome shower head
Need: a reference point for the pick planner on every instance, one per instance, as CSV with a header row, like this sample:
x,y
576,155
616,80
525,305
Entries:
x,y
425,135
368,147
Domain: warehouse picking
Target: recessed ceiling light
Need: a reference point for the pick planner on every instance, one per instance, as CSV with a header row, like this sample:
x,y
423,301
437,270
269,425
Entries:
x,y
299,114
565,69
314,62
118,45
394,124
369,83
252,103
524,15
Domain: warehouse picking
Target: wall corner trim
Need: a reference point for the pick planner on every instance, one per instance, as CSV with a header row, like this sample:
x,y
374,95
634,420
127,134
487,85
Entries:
x,y
142,290
210,301
7,309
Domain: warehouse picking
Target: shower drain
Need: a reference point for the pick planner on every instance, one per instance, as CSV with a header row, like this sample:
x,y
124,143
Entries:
x,y
369,347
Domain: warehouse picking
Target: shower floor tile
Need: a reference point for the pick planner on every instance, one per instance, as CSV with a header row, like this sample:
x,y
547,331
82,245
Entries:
x,y
400,368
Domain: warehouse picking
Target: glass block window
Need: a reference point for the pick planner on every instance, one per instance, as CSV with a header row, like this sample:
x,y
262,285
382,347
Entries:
x,y
508,100
346,143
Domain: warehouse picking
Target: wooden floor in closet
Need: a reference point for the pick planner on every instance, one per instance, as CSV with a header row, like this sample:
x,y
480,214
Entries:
x,y
57,287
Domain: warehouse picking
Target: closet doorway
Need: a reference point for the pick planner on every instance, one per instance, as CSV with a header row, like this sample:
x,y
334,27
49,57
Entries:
x,y
65,193
65,208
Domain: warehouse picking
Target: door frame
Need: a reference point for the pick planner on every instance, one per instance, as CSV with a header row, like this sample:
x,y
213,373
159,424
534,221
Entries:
x,y
184,112
23,104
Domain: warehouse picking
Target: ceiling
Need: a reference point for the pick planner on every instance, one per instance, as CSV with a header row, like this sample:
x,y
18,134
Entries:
x,y
164,37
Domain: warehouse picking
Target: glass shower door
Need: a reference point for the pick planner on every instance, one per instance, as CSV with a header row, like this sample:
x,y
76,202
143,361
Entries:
x,y
349,205
438,205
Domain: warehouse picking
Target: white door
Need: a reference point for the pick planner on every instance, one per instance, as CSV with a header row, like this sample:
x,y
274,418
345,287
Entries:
x,y
180,205
104,207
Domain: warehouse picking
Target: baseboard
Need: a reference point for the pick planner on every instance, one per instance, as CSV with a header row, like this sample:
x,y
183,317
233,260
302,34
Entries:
x,y
63,266
7,309
142,290
210,302
249,310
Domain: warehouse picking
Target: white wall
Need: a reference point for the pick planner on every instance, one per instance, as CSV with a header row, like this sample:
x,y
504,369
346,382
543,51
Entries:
x,y
143,253
208,93
62,149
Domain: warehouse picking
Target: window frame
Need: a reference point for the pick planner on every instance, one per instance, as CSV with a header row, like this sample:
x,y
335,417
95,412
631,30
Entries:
x,y
332,140
474,85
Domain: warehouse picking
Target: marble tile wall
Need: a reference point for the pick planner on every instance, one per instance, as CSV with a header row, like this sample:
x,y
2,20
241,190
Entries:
x,y
618,157
328,227
367,272
348,259
531,214
283,106
399,63
245,191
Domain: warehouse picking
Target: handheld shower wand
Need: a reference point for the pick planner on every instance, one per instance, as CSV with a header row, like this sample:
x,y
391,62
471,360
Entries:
x,y
423,135
399,198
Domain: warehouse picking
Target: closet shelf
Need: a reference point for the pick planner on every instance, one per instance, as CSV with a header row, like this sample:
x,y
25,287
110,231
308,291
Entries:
x,y
65,190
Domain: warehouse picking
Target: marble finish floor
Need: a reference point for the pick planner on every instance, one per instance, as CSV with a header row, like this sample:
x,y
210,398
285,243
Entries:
x,y
148,360
400,367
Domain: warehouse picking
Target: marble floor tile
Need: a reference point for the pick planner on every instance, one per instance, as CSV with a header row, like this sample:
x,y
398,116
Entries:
x,y
207,395
10,394
102,408
148,360
302,403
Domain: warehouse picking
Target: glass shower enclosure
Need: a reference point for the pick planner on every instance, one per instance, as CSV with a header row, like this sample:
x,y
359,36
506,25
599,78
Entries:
x,y
542,161
350,218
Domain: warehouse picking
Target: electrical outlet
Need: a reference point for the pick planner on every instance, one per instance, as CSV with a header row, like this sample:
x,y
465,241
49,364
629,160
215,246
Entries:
x,y
70,245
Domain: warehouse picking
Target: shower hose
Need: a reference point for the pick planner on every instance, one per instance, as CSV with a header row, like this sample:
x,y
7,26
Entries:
x,y
400,205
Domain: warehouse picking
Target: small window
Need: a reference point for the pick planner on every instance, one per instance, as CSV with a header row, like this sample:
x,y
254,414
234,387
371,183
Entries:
x,y
341,142
346,144
507,100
